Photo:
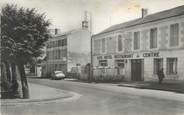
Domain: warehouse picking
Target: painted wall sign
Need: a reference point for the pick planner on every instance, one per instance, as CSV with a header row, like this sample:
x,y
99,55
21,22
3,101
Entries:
x,y
108,57
104,57
151,54
124,56
99,57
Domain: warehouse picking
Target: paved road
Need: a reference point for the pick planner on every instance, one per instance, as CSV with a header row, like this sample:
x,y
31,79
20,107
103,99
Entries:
x,y
101,99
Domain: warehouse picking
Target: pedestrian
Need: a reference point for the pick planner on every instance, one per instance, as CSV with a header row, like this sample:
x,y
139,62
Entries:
x,y
160,75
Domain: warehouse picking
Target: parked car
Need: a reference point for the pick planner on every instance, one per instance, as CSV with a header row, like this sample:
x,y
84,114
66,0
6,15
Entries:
x,y
57,75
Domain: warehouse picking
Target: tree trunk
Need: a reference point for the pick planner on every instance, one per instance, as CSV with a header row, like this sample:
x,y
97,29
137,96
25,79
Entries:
x,y
25,88
3,73
14,76
14,88
8,75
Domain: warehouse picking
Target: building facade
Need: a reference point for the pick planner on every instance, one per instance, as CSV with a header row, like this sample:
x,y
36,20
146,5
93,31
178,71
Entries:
x,y
68,50
137,49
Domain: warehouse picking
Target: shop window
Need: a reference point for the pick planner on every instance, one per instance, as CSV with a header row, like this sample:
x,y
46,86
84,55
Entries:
x,y
120,63
158,64
120,46
174,34
103,63
153,38
172,65
136,40
103,45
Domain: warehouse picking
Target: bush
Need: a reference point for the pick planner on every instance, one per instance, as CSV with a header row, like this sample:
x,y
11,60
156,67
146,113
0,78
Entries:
x,y
108,78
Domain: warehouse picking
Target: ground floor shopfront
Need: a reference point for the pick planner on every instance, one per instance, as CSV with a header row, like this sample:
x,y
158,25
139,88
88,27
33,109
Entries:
x,y
140,66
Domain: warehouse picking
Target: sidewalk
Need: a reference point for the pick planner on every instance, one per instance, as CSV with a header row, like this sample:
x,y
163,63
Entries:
x,y
40,94
173,86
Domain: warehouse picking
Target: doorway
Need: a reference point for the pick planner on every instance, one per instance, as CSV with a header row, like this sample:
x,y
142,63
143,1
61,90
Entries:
x,y
136,69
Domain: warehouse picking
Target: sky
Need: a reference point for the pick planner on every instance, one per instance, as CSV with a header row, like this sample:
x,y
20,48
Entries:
x,y
68,14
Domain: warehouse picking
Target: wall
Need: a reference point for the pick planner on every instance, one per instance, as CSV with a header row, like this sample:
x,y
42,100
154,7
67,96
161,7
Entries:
x,y
78,48
163,36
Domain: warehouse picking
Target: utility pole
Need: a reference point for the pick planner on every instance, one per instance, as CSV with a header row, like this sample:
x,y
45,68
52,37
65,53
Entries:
x,y
90,28
91,48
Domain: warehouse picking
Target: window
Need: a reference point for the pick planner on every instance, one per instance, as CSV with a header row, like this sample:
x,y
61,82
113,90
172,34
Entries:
x,y
64,42
174,35
51,55
51,44
97,46
102,62
54,54
158,64
58,54
55,44
136,40
120,63
120,43
59,43
172,65
47,54
103,45
48,45
153,38
64,54
61,52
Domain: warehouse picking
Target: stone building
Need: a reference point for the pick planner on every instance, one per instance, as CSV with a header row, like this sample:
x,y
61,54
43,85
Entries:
x,y
137,49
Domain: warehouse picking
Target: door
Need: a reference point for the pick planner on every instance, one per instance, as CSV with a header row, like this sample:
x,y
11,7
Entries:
x,y
136,69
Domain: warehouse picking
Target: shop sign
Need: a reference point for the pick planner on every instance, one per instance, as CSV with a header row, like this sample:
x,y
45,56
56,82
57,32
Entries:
x,y
151,54
124,56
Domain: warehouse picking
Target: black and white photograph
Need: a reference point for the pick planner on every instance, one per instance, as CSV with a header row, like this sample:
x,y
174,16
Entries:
x,y
92,57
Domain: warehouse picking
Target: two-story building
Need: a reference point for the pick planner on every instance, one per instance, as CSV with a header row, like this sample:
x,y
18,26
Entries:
x,y
137,49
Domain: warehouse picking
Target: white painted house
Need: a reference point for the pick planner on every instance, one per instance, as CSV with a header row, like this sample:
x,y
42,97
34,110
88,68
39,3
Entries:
x,y
137,49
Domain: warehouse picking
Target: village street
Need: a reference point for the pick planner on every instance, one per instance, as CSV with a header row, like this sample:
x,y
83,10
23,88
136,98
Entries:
x,y
103,99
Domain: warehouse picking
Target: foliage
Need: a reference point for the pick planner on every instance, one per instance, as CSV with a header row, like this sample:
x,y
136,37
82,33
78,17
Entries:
x,y
24,33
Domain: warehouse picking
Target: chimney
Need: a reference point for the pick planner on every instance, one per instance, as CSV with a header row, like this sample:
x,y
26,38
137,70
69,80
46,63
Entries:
x,y
55,31
144,12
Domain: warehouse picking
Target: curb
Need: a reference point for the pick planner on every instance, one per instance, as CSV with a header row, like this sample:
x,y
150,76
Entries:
x,y
140,87
16,102
65,96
